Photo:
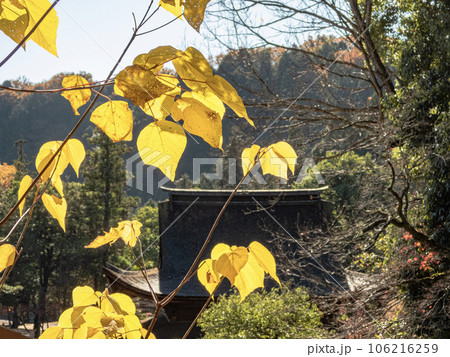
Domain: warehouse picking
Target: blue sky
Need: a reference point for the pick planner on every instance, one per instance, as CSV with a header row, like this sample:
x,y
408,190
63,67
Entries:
x,y
92,35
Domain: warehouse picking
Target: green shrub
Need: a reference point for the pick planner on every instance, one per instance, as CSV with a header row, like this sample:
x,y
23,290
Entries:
x,y
280,313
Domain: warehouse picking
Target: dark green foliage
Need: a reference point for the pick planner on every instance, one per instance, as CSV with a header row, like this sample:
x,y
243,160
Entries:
x,y
280,313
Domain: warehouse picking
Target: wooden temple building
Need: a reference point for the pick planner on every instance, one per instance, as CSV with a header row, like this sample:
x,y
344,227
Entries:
x,y
184,222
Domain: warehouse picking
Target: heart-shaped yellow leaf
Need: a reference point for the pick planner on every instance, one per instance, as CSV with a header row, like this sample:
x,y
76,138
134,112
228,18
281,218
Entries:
x,y
75,153
226,92
250,277
115,119
23,187
249,158
57,207
230,264
139,85
7,256
265,260
155,59
83,296
130,231
45,34
199,120
78,97
207,276
194,12
277,158
161,144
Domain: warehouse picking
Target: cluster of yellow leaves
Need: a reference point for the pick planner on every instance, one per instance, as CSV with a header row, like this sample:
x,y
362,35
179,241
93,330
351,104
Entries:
x,y
194,10
199,110
275,159
96,315
245,268
18,17
72,153
129,231
7,256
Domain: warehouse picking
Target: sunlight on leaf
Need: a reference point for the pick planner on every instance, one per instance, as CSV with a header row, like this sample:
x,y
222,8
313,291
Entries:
x,y
155,59
13,20
75,153
230,264
226,92
45,34
194,12
249,158
207,276
161,144
130,231
78,97
109,237
277,158
139,85
7,256
83,296
250,277
57,207
199,119
115,119
23,187
265,260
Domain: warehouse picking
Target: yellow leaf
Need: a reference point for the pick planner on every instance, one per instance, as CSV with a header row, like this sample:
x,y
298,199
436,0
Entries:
x,y
173,6
250,277
44,155
193,69
229,96
161,144
199,120
83,296
52,333
95,335
71,319
230,264
7,256
93,315
125,303
115,119
249,158
24,185
81,333
207,276
194,12
207,97
277,158
13,20
265,260
160,108
284,150
132,327
155,59
57,207
75,153
78,97
139,85
219,249
45,34
129,231
58,184
109,237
